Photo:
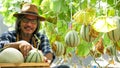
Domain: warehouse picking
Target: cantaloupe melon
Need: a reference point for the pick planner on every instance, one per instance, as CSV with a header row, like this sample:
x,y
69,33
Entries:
x,y
72,39
35,56
60,49
85,33
114,35
11,55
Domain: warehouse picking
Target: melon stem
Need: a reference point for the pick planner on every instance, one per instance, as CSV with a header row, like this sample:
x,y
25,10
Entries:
x,y
38,40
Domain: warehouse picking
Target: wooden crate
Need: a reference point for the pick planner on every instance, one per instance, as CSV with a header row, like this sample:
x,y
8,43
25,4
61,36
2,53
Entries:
x,y
24,65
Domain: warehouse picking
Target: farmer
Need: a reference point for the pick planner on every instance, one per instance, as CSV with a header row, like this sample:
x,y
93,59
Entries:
x,y
26,34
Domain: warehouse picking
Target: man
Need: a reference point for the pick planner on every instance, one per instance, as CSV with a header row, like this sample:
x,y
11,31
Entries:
x,y
25,36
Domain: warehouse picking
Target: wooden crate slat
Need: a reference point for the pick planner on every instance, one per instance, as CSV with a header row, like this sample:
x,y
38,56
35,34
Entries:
x,y
23,64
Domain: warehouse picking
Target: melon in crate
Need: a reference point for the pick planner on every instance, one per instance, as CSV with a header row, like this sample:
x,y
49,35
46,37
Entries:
x,y
35,56
72,39
114,35
11,55
58,48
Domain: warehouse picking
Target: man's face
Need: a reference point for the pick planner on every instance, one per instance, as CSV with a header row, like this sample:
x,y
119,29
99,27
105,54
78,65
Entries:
x,y
28,24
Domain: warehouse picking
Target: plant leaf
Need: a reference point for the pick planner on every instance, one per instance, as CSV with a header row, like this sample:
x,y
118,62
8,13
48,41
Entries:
x,y
104,24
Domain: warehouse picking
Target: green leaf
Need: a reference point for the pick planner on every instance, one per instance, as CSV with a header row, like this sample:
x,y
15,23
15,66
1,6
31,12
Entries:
x,y
64,16
65,7
93,1
84,4
69,49
56,5
45,6
37,2
60,27
111,11
84,48
110,2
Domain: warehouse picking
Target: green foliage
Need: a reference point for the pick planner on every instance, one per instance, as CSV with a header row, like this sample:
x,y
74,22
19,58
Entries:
x,y
58,16
9,8
84,4
45,6
111,11
111,2
37,2
93,2
84,48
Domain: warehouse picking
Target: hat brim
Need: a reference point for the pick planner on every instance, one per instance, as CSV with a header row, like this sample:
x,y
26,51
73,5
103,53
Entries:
x,y
40,17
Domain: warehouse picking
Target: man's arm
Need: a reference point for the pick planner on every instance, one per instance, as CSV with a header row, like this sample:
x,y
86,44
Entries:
x,y
13,44
23,46
46,48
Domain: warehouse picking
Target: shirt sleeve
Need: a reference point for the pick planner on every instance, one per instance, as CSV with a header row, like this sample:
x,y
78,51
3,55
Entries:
x,y
4,39
45,45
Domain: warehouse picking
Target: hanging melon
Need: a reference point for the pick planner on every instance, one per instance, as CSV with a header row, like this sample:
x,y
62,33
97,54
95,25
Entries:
x,y
87,33
72,38
35,56
114,35
58,48
11,55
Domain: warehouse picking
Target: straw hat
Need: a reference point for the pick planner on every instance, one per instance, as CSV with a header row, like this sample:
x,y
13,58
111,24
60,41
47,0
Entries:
x,y
29,9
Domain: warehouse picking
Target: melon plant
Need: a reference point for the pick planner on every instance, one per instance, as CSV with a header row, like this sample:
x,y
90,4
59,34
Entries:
x,y
58,48
72,39
114,35
35,56
85,33
11,55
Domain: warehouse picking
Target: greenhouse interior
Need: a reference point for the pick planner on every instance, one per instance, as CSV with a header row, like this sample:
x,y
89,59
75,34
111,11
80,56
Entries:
x,y
60,34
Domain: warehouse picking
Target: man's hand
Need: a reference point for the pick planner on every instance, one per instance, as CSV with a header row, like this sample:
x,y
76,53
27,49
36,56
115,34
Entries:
x,y
24,47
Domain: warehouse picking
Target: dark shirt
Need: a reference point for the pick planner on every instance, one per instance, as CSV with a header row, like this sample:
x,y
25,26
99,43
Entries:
x,y
10,36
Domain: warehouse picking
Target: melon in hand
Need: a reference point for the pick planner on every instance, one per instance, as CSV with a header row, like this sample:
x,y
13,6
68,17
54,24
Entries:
x,y
35,55
11,55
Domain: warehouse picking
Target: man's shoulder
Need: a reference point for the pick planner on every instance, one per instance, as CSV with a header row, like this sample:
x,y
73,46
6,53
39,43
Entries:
x,y
9,33
41,35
